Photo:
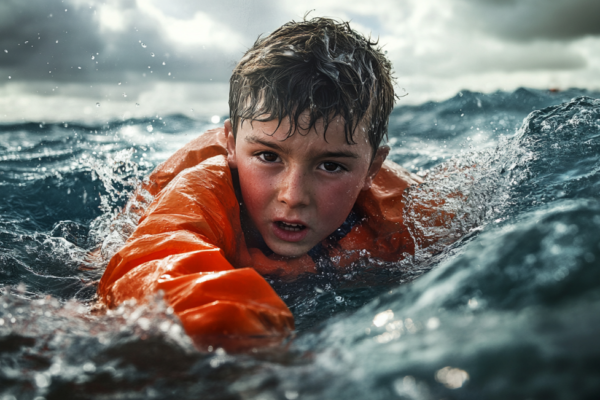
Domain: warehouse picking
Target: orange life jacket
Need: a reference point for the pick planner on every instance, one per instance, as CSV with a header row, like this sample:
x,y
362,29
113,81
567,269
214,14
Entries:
x,y
189,244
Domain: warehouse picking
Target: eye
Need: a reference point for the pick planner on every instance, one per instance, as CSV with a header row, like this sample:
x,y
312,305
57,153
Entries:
x,y
269,157
331,167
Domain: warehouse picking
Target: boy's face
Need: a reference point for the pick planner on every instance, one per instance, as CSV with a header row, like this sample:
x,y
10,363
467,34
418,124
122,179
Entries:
x,y
299,190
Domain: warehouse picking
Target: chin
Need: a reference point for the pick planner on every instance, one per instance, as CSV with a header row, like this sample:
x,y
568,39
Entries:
x,y
288,251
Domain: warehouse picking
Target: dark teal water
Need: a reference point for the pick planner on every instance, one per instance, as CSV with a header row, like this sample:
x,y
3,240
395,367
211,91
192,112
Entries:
x,y
501,302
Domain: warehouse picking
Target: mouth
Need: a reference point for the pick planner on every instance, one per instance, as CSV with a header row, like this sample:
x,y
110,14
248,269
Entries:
x,y
290,231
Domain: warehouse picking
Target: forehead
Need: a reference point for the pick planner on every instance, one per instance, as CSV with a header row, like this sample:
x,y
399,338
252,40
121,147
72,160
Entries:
x,y
316,140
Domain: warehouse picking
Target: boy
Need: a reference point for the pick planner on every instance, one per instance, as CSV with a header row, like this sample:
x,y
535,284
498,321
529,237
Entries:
x,y
309,106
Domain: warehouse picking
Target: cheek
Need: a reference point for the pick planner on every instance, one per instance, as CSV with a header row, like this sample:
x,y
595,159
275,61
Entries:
x,y
255,185
337,199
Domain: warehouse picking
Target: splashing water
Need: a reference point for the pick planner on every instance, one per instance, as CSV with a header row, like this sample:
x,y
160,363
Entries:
x,y
119,175
505,305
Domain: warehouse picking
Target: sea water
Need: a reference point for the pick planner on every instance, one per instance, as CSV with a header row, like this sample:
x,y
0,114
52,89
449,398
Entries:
x,y
500,301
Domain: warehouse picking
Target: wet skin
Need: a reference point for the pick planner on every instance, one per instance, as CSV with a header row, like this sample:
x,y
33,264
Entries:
x,y
299,190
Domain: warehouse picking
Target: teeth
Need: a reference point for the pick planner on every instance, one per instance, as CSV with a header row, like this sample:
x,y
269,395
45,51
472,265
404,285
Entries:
x,y
291,227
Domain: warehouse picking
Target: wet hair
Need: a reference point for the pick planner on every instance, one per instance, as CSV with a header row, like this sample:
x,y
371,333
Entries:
x,y
321,66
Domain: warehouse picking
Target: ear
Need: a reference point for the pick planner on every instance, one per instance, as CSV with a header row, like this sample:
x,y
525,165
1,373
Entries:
x,y
380,156
231,155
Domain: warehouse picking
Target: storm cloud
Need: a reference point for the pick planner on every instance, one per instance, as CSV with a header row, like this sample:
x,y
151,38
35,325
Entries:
x,y
534,19
82,41
177,55
70,41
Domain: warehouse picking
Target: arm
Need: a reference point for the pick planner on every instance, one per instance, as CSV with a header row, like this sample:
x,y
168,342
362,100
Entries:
x,y
185,245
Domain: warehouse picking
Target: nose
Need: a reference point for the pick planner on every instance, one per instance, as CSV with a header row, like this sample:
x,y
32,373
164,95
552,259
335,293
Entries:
x,y
294,189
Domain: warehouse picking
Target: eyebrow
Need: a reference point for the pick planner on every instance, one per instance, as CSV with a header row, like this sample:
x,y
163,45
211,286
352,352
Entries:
x,y
253,139
328,154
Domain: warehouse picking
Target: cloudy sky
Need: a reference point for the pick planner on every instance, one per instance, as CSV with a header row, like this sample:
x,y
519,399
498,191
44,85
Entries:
x,y
100,60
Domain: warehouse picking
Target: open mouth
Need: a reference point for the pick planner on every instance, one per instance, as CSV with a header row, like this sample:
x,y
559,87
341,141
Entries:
x,y
290,227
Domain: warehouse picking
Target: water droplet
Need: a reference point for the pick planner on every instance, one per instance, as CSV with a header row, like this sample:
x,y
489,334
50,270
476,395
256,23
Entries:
x,y
124,95
89,367
93,57
164,63
97,104
433,323
41,380
152,54
57,41
452,378
6,51
149,128
143,45
291,394
215,119
137,104
78,67
383,317
473,303
10,77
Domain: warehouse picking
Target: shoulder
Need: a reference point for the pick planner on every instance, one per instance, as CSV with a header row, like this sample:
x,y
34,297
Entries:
x,y
386,194
393,177
209,144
